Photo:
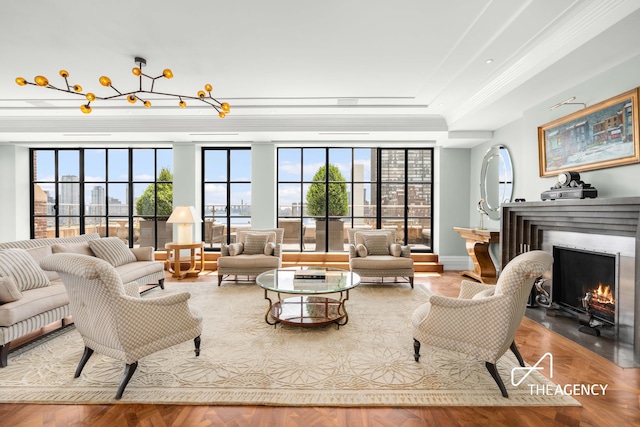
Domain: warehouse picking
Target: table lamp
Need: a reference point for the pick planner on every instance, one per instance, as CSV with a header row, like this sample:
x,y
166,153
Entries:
x,y
185,217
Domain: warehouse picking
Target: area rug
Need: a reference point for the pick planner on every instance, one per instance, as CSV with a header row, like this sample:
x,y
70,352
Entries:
x,y
245,361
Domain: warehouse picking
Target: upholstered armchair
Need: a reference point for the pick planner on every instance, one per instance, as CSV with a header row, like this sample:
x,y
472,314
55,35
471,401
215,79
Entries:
x,y
375,253
213,232
114,320
253,252
483,320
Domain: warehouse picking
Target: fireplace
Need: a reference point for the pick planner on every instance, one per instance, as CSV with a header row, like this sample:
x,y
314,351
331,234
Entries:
x,y
585,282
609,226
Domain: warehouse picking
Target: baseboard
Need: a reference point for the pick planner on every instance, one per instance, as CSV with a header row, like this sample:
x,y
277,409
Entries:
x,y
456,263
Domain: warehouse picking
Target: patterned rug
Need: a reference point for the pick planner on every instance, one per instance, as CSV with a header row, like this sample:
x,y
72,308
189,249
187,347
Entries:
x,y
368,362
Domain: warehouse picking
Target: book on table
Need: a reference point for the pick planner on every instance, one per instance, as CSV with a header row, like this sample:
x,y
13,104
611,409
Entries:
x,y
311,273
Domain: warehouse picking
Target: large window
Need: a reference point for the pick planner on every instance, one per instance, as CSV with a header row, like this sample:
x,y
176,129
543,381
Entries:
x,y
226,194
123,192
364,188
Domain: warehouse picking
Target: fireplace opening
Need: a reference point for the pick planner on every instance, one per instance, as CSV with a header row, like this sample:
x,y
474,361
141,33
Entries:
x,y
585,281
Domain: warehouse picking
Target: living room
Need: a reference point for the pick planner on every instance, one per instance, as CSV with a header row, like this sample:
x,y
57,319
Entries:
x,y
357,95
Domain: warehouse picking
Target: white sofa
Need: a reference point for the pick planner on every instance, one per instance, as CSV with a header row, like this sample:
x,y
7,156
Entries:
x,y
41,296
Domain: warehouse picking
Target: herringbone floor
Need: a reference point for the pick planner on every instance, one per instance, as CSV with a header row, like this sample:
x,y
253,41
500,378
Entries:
x,y
572,365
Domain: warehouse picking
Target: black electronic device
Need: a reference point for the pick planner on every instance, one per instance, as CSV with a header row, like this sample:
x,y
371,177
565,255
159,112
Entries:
x,y
569,186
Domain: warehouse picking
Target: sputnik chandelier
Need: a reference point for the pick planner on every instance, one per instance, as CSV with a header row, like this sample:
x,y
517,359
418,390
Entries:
x,y
221,107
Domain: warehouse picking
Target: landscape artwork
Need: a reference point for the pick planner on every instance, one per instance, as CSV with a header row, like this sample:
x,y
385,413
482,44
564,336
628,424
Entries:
x,y
600,136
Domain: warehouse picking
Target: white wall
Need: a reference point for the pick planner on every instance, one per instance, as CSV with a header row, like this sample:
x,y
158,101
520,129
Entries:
x,y
452,177
14,192
187,186
263,185
521,138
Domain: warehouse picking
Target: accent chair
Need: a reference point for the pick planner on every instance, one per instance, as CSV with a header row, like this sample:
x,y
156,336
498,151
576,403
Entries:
x,y
375,253
483,320
114,320
253,252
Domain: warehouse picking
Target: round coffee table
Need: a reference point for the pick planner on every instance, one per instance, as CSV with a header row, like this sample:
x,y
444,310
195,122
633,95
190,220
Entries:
x,y
301,299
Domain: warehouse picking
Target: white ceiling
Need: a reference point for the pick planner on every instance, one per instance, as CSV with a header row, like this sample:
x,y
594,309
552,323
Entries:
x,y
358,70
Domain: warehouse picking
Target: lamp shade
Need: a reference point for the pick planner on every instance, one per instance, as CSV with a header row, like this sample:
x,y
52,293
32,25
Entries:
x,y
184,216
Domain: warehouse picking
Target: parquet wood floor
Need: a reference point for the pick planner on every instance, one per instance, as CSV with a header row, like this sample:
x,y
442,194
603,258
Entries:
x,y
572,364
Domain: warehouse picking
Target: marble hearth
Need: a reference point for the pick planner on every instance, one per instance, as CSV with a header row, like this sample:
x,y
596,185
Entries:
x,y
607,224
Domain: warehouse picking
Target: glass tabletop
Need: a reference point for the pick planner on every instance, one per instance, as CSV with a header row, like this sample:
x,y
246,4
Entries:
x,y
308,280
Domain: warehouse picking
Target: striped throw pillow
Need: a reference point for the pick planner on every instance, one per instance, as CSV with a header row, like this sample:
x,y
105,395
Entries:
x,y
376,244
26,272
113,250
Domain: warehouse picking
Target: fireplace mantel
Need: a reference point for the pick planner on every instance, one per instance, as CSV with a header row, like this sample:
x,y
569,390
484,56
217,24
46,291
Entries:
x,y
523,226
523,223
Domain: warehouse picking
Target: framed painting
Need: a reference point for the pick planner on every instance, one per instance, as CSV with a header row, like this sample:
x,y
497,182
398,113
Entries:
x,y
603,135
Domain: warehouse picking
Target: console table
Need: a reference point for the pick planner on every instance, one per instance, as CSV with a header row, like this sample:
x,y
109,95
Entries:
x,y
195,259
478,240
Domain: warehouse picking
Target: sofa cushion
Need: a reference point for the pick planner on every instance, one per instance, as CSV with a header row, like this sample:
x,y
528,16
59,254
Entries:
x,y
73,248
254,244
33,303
9,291
135,270
376,244
113,250
242,234
381,262
358,236
23,268
41,253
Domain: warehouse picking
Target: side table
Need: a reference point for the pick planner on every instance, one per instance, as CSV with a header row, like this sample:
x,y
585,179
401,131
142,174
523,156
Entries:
x,y
478,239
195,259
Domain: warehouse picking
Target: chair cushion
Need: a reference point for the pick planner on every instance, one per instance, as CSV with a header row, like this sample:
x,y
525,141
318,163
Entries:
x,y
358,236
376,244
254,244
73,248
269,248
113,250
395,249
248,261
25,271
381,262
362,250
484,294
9,291
235,249
41,253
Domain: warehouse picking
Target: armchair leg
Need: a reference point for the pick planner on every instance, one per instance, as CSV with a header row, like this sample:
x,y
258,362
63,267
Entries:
x,y
411,282
219,279
83,361
416,349
515,351
4,355
161,283
128,373
496,377
196,341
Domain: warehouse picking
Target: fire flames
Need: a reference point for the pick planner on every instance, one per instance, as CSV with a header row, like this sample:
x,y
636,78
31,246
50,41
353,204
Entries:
x,y
603,294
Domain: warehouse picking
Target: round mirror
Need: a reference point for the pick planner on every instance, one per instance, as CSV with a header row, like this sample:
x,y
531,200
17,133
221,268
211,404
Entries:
x,y
496,180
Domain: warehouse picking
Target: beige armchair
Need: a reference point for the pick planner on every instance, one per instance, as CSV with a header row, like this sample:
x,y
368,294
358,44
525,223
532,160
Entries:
x,y
375,253
293,231
483,320
253,252
213,232
112,318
